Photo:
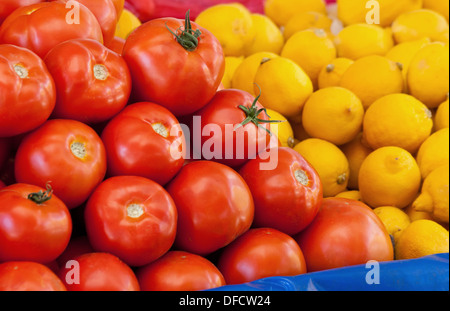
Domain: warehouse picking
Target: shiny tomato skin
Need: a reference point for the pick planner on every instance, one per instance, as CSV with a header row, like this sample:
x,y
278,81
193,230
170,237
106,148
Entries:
x,y
116,45
344,233
119,5
283,200
179,271
145,139
131,217
42,26
27,91
9,6
261,253
31,231
223,112
167,74
93,83
25,276
214,206
99,272
68,154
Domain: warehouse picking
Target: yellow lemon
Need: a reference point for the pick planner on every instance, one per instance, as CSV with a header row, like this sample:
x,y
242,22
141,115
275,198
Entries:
x,y
373,77
428,74
334,114
285,86
244,75
268,37
282,130
416,215
331,74
418,24
356,152
389,176
280,11
231,63
434,152
329,162
232,24
422,238
434,197
440,6
350,194
126,24
397,120
357,11
441,117
359,40
307,20
311,49
394,219
404,53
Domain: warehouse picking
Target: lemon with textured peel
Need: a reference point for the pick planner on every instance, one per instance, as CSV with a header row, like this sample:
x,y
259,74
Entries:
x,y
440,6
231,63
268,36
126,24
283,130
331,73
422,238
280,11
434,197
441,118
350,194
434,152
307,20
394,219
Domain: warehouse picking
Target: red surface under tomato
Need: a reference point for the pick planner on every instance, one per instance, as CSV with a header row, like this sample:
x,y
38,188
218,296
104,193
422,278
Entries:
x,y
214,206
145,140
131,217
98,272
166,73
31,230
67,154
261,253
179,271
93,83
288,195
27,91
24,276
344,233
42,26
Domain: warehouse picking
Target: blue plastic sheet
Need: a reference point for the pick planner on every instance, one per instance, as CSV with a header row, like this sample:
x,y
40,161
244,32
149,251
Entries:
x,y
429,273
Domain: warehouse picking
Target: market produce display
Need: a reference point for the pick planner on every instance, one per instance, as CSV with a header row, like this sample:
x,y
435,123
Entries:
x,y
190,145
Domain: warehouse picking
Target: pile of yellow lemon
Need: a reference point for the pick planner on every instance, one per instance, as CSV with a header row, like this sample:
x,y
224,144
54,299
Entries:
x,y
365,100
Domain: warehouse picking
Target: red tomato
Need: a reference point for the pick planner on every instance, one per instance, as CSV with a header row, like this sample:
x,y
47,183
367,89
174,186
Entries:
x,y
27,91
68,154
234,128
288,195
24,276
78,246
261,253
116,45
9,6
214,205
42,26
98,272
182,72
131,217
5,150
179,271
106,13
145,140
93,83
119,5
344,233
34,224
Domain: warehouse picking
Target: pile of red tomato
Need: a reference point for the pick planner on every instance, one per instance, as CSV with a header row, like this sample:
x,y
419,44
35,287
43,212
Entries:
x,y
102,190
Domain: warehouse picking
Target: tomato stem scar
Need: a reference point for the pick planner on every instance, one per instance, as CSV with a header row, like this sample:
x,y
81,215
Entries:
x,y
135,210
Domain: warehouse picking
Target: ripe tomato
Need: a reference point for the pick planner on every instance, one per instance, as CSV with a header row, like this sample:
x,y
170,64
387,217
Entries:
x,y
68,154
34,224
261,253
234,128
214,206
288,195
93,83
174,63
131,217
106,13
27,91
98,272
9,6
116,45
145,140
42,26
345,232
24,276
119,5
179,271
